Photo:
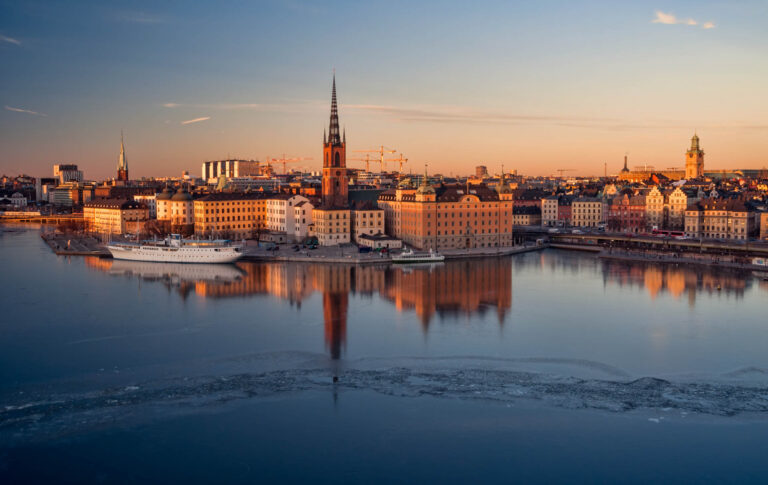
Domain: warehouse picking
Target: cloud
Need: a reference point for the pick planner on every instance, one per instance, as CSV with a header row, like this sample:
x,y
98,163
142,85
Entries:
x,y
9,40
22,110
239,106
457,114
671,19
195,120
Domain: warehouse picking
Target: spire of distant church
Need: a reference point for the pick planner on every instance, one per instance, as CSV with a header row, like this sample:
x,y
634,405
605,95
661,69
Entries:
x,y
334,136
122,163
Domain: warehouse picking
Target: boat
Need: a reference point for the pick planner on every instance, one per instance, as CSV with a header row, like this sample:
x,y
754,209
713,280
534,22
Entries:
x,y
410,257
174,249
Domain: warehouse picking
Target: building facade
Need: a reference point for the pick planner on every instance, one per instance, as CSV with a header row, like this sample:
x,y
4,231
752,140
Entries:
x,y
549,211
235,215
720,219
587,212
230,169
290,214
457,216
115,216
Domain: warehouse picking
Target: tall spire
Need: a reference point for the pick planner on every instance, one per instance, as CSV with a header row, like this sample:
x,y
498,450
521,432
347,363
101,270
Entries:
x,y
122,163
334,137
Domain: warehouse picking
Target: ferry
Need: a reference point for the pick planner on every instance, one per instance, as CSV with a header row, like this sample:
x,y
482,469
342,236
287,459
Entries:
x,y
174,249
409,257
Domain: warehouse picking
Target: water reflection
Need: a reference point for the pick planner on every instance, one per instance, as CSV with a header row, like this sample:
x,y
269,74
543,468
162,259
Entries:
x,y
454,289
450,290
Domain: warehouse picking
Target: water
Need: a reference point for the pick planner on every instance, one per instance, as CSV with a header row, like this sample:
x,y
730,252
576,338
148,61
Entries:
x,y
96,354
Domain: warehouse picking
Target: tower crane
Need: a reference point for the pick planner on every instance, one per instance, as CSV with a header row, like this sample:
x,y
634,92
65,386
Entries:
x,y
381,151
367,161
400,160
286,161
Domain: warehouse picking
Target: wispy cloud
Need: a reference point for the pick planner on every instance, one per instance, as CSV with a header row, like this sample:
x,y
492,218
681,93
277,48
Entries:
x,y
195,120
267,107
22,110
457,114
10,40
671,19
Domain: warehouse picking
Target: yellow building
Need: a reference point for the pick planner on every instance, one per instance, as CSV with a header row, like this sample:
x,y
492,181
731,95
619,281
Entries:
x,y
587,212
367,219
331,226
764,226
115,216
720,219
449,217
234,215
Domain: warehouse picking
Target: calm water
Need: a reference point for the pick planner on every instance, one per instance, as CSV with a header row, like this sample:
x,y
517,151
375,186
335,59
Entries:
x,y
440,370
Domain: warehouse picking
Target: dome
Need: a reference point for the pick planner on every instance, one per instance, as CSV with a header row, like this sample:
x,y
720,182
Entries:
x,y
166,194
181,195
425,189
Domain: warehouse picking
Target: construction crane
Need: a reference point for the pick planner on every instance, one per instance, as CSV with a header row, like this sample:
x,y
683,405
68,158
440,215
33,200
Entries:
x,y
286,161
381,151
561,170
400,160
367,161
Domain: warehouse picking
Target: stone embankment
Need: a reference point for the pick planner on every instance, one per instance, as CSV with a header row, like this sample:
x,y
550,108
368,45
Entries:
x,y
723,261
65,244
350,255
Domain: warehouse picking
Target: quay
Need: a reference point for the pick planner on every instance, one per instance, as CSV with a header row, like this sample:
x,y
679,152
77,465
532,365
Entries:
x,y
350,255
34,218
64,244
598,241
711,260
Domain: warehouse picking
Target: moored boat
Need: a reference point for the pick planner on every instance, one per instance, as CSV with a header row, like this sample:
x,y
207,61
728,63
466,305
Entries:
x,y
174,249
408,256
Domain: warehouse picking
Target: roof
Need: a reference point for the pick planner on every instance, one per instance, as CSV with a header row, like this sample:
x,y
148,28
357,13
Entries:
x,y
225,196
122,204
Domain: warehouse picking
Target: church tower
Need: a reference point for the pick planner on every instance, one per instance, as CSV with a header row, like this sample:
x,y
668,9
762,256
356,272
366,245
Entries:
x,y
122,163
335,181
694,160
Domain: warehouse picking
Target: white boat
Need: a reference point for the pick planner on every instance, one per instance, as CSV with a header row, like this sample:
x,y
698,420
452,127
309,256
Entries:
x,y
174,249
408,257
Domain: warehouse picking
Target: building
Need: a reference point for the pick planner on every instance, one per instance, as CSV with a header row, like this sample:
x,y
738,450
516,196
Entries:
x,y
368,220
764,226
526,215
549,207
230,169
163,204
235,215
721,219
150,201
642,175
587,212
115,216
333,218
481,171
627,213
122,163
694,160
665,209
67,173
289,214
449,216
379,241
181,212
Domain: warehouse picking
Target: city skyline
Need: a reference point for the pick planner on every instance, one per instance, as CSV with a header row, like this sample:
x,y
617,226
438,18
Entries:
x,y
533,88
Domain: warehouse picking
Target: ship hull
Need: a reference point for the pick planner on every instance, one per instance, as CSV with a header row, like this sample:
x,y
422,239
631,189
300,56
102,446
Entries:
x,y
158,254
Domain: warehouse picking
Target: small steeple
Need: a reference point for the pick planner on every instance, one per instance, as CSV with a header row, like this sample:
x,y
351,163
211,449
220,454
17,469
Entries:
x,y
122,163
425,181
695,142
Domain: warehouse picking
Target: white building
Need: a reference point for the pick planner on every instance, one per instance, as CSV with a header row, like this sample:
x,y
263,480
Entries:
x,y
282,215
150,201
549,210
230,169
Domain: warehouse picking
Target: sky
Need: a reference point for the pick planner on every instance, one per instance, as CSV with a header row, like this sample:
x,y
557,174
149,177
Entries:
x,y
535,86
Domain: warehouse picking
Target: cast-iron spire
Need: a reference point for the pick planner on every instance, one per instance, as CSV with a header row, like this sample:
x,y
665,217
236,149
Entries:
x,y
122,163
334,137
